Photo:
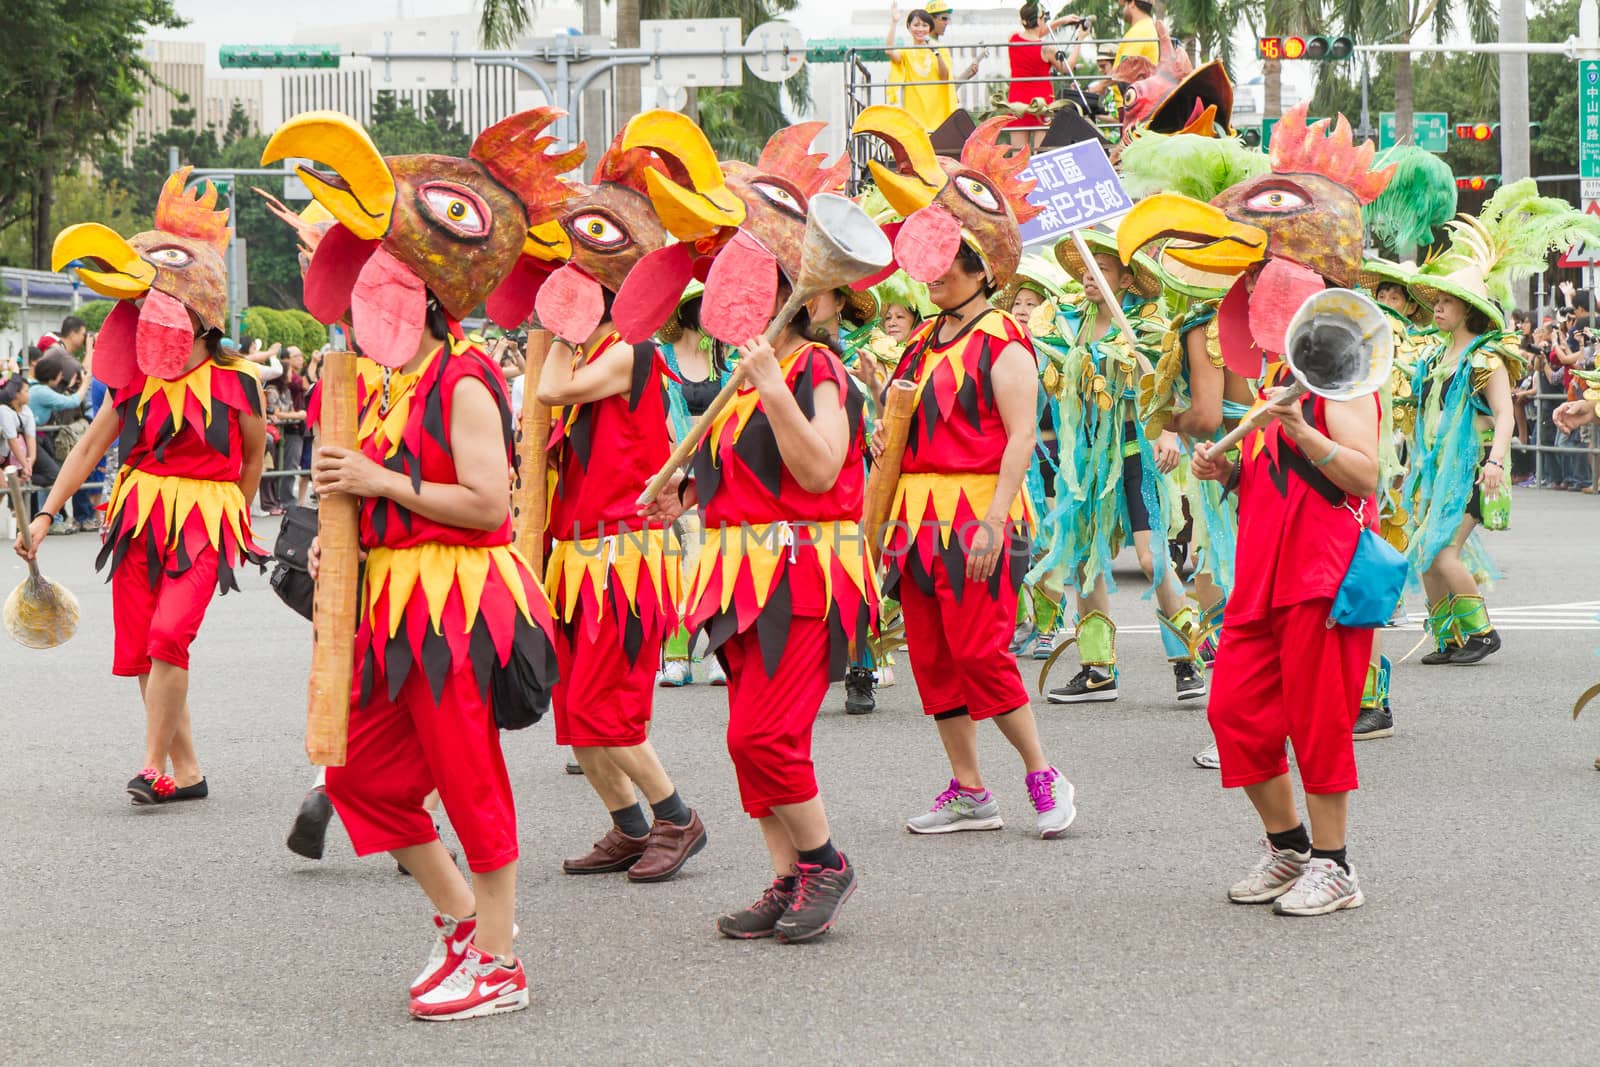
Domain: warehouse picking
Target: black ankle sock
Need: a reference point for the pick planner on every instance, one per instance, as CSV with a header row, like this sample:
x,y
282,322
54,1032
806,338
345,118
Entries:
x,y
1296,840
631,821
1334,854
672,810
824,855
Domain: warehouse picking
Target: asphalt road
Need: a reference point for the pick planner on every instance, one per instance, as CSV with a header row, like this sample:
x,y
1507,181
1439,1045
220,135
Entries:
x,y
189,934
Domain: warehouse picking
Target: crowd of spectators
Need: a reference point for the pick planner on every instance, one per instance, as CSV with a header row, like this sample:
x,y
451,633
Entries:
x,y
47,398
1563,340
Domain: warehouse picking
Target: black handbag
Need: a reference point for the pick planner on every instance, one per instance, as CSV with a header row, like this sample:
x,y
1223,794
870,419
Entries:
x,y
291,553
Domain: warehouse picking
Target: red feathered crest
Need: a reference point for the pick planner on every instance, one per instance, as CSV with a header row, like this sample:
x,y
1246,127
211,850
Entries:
x,y
1002,164
1315,149
514,153
788,155
185,214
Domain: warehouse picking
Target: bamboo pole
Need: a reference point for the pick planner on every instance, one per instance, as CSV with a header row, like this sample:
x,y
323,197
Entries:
x,y
885,478
338,578
1113,301
530,504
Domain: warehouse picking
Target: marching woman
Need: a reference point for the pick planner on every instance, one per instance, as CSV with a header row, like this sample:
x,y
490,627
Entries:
x,y
453,633
782,581
1284,670
959,523
186,417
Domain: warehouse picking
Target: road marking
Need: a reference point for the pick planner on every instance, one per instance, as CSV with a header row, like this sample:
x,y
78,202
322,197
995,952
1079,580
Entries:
x,y
1577,615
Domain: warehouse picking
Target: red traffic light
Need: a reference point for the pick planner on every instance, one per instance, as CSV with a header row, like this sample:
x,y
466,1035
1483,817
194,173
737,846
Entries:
x,y
1476,131
1477,183
1294,47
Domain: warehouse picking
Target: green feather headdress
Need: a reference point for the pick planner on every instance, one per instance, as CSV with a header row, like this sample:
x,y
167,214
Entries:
x,y
1198,167
1419,197
1511,239
900,288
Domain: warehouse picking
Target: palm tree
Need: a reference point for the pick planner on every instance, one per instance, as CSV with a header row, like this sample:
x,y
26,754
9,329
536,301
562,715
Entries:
x,y
1208,23
737,121
1283,18
1376,21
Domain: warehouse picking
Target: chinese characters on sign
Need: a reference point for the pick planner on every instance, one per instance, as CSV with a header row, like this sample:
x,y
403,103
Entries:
x,y
1077,188
1589,118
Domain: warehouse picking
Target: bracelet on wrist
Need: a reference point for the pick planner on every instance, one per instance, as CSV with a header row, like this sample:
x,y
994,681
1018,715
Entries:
x,y
1325,460
1496,462
51,515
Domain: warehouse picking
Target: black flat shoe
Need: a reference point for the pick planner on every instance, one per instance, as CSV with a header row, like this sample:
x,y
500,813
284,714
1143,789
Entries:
x,y
150,786
198,791
310,830
1477,648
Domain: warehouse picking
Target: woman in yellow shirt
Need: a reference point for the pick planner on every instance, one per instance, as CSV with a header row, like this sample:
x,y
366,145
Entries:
x,y
911,68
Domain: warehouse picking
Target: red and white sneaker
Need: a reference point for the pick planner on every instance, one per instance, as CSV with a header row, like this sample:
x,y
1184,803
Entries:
x,y
449,949
479,986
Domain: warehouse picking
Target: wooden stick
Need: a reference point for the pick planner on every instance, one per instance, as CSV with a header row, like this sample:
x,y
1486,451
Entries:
x,y
338,578
885,477
1255,419
1112,301
702,426
530,503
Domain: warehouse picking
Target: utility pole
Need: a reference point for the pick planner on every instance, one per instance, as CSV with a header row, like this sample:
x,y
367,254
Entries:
x,y
594,102
1514,156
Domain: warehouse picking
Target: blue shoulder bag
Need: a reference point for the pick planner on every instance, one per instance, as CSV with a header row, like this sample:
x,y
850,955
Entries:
x,y
1372,583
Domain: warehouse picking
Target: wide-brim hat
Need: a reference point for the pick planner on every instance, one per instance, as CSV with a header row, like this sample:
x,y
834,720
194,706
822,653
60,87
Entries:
x,y
1378,272
1035,272
1146,278
672,329
860,306
1466,284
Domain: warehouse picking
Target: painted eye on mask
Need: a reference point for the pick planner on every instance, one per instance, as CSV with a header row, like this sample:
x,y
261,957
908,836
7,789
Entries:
x,y
169,256
784,198
600,231
456,208
1276,201
979,193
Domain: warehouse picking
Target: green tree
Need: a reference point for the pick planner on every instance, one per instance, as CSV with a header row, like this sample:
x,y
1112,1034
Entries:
x,y
94,312
144,169
312,334
1281,18
72,78
398,130
1209,24
78,199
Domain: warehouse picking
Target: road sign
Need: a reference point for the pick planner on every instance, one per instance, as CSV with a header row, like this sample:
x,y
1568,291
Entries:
x,y
1430,130
664,36
1077,188
256,56
294,188
1589,189
1586,254
1589,118
1266,130
783,50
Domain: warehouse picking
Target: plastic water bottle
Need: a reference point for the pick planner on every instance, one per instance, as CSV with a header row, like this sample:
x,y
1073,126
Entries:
x,y
1497,507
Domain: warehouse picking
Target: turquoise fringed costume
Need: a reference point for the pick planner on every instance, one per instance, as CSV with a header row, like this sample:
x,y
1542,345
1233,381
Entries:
x,y
1094,386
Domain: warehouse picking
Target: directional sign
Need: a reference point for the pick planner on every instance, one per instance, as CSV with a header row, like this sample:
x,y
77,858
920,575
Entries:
x,y
1266,130
665,36
1077,188
1586,254
1589,118
1430,130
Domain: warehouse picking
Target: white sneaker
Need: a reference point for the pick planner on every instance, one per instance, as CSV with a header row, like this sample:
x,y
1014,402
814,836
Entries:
x,y
1053,798
479,986
1043,647
1208,758
884,676
449,949
1322,887
674,674
715,675
1272,876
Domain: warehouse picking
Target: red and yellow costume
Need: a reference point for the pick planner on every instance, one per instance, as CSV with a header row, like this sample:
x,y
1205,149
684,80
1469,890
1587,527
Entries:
x,y
957,636
442,609
613,584
178,525
447,613
783,586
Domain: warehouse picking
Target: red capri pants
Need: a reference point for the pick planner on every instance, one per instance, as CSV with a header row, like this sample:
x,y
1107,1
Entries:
x,y
1289,675
401,750
770,719
959,650
158,623
603,701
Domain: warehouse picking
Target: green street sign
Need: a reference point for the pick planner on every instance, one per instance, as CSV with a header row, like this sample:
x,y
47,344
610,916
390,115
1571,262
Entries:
x,y
1430,130
1266,131
1589,118
253,56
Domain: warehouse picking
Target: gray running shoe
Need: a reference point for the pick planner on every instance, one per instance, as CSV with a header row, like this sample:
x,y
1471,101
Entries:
x,y
1052,797
1272,876
957,810
1322,887
1208,758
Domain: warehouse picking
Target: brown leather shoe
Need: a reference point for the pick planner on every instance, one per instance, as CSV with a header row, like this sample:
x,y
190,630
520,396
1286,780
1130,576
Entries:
x,y
669,848
614,852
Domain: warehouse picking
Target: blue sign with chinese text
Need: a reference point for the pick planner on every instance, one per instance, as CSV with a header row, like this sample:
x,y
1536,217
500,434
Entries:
x,y
1077,187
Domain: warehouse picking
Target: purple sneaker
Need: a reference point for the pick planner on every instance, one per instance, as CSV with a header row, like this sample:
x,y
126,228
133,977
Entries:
x,y
1052,798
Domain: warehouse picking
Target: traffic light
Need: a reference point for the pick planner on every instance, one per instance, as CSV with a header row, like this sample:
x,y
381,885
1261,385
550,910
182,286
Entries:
x,y
1478,183
1322,49
237,56
1476,131
1251,136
